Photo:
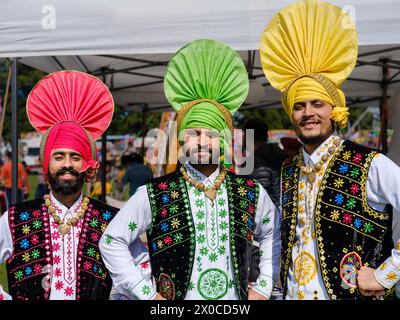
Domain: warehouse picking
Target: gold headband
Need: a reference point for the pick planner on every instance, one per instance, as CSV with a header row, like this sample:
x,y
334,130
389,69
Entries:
x,y
321,79
225,112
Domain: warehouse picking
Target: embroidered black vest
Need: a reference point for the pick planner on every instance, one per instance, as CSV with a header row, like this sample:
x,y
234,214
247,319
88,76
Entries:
x,y
30,264
349,233
172,257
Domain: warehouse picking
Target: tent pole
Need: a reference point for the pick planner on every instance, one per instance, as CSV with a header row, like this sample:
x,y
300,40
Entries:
x,y
144,109
103,156
103,165
14,131
383,108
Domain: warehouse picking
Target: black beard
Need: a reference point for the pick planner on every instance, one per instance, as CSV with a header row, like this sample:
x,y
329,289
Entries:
x,y
316,140
66,188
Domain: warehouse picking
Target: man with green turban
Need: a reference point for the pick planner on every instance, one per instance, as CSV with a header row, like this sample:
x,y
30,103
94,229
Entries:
x,y
201,219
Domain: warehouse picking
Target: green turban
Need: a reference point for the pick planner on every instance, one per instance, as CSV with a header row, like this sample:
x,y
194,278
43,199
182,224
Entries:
x,y
206,82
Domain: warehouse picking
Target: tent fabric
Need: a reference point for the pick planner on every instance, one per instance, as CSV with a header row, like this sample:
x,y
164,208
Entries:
x,y
57,27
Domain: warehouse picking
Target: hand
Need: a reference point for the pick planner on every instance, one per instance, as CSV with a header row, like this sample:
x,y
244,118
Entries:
x,y
254,295
159,297
367,283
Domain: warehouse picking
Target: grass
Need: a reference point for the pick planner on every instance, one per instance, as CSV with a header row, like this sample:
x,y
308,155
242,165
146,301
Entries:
x,y
3,276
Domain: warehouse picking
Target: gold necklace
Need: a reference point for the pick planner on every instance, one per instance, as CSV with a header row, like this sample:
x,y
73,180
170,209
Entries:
x,y
310,172
210,192
65,228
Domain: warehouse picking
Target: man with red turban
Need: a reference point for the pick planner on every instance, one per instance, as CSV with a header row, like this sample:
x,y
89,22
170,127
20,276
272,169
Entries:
x,y
50,245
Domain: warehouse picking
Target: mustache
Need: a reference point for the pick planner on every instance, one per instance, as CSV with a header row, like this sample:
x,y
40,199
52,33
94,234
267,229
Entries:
x,y
303,121
69,170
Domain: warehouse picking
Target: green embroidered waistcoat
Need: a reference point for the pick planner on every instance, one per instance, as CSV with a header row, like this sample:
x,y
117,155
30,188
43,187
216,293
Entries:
x,y
348,232
172,249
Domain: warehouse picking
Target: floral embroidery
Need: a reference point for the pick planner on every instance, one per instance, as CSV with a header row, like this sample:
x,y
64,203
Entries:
x,y
343,168
146,290
164,227
24,244
354,189
263,283
203,251
339,198
351,203
335,215
36,224
357,158
242,191
109,239
200,214
35,254
201,238
26,229
132,226
250,183
178,237
36,213
338,183
199,203
165,198
357,223
354,173
391,276
106,215
91,252
347,218
174,194
174,208
368,227
347,155
24,216
163,186
28,271
266,220
26,257
19,275
168,240
94,223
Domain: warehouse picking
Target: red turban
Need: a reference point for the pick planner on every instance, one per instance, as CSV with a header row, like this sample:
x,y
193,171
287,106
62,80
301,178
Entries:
x,y
69,135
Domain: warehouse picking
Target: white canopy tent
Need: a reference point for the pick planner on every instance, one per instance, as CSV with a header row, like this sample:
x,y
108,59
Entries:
x,y
127,43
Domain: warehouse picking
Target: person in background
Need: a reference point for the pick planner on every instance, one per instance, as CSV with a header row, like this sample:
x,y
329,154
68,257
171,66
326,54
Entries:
x,y
5,176
137,174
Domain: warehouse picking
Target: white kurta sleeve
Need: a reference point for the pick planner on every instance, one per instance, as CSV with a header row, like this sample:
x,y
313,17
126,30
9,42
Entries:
x,y
6,247
383,187
119,240
267,229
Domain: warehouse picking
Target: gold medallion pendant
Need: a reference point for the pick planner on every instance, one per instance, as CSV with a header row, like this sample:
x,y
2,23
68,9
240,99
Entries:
x,y
311,177
64,229
210,194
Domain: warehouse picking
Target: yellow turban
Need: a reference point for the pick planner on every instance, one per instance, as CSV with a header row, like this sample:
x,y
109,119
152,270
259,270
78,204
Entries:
x,y
308,49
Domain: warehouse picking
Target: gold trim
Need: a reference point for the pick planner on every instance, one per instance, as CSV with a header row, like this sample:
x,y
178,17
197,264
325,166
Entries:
x,y
318,232
225,112
321,79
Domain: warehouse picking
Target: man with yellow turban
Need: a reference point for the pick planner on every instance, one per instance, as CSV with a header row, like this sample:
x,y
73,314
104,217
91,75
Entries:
x,y
336,196
200,219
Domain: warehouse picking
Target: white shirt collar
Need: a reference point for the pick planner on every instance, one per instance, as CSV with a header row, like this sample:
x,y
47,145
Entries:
x,y
200,177
315,157
62,210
